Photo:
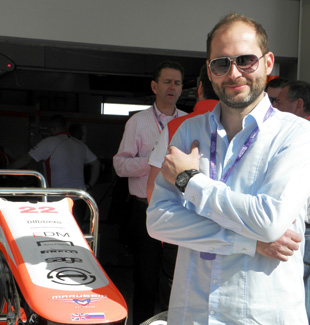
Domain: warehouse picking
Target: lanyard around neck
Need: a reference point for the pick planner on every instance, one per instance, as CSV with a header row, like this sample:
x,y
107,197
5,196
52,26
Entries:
x,y
243,150
158,121
160,124
241,153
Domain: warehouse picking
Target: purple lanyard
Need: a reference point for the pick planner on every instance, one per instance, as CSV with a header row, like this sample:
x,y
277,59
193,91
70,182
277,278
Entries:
x,y
245,147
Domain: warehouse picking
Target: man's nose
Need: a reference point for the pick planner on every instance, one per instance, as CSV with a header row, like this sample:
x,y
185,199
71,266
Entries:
x,y
234,71
172,84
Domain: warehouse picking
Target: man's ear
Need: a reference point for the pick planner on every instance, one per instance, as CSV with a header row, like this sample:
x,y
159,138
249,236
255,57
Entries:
x,y
300,107
199,91
154,86
269,62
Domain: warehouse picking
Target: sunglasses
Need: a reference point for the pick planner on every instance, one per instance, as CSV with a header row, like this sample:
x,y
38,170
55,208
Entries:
x,y
247,63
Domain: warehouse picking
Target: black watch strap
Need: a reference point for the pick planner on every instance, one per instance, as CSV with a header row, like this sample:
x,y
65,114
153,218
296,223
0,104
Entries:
x,y
184,177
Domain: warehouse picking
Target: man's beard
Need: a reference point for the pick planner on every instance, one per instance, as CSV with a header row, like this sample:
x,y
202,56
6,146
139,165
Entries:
x,y
257,86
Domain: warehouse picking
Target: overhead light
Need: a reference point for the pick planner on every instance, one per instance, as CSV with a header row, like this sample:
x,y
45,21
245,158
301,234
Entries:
x,y
121,109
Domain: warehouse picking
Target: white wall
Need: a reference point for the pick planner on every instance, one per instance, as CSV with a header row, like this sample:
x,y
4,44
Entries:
x,y
180,25
304,55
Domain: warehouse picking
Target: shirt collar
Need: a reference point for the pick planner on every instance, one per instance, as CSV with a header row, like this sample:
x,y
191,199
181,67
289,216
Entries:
x,y
160,114
257,115
63,132
215,117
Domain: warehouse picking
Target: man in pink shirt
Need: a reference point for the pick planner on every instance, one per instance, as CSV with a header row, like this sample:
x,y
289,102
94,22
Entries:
x,y
207,99
140,135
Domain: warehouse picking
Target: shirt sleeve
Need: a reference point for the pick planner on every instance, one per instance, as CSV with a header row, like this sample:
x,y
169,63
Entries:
x,y
280,199
128,162
171,219
89,156
159,151
211,211
42,150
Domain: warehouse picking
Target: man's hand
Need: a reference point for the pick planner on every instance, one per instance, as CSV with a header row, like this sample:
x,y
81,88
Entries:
x,y
177,161
282,248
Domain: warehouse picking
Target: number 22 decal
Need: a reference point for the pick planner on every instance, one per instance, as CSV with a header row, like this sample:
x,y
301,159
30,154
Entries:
x,y
37,210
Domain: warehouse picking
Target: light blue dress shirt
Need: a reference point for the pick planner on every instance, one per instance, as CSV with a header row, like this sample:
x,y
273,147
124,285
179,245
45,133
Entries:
x,y
265,195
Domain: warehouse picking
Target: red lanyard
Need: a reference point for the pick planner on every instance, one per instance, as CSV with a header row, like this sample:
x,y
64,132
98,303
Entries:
x,y
158,121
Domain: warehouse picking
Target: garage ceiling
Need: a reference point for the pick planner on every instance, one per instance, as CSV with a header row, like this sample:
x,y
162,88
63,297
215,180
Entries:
x,y
117,74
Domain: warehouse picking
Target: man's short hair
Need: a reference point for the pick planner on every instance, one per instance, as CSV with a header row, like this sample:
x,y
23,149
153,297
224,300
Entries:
x,y
232,18
299,89
58,122
207,89
167,65
276,83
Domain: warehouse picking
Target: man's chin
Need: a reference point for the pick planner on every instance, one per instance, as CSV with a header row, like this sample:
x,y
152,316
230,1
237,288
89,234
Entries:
x,y
235,105
241,101
238,102
171,100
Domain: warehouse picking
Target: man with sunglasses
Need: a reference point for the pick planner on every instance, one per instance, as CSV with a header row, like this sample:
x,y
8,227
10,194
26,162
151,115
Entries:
x,y
232,194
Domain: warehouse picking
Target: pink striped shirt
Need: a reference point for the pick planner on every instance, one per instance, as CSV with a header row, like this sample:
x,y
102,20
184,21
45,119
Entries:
x,y
140,135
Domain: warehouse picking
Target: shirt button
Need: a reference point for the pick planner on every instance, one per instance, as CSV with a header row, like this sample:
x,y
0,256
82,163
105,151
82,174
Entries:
x,y
193,199
212,312
209,214
244,249
215,281
211,249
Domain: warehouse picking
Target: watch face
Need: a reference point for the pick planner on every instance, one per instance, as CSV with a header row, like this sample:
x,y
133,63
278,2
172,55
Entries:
x,y
182,180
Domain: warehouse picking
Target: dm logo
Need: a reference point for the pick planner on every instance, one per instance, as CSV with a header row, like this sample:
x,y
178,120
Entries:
x,y
71,276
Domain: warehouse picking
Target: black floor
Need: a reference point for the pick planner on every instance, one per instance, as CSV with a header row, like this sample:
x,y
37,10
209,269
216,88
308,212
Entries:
x,y
117,261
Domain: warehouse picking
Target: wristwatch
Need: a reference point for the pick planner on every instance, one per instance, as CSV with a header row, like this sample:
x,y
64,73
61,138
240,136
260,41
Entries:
x,y
183,178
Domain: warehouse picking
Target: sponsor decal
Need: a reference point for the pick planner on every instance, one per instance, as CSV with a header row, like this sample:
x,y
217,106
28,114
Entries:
x,y
78,299
63,259
44,221
69,298
50,234
87,316
51,251
71,276
54,242
82,302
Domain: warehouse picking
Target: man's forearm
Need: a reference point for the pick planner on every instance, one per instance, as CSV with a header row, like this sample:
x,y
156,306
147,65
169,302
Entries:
x,y
282,248
131,166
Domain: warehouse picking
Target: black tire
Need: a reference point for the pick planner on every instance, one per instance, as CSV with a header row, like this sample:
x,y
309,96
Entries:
x,y
161,316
